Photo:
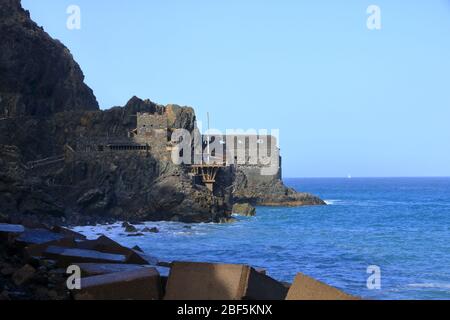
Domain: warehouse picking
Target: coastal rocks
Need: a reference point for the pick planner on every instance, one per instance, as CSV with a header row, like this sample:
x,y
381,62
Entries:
x,y
110,271
44,82
129,228
94,200
7,270
244,209
252,187
23,275
61,120
180,117
151,230
38,277
4,218
228,220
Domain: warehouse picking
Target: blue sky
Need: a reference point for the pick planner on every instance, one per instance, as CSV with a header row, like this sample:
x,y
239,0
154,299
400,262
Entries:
x,y
347,100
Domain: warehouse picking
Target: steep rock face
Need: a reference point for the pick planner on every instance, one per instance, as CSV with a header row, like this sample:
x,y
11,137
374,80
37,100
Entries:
x,y
48,113
133,187
250,186
23,195
89,187
38,76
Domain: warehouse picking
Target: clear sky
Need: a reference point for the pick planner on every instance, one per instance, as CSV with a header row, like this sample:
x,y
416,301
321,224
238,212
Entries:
x,y
347,100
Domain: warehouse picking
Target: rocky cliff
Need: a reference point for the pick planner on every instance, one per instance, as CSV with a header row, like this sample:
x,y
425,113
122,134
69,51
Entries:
x,y
50,127
260,190
38,76
84,186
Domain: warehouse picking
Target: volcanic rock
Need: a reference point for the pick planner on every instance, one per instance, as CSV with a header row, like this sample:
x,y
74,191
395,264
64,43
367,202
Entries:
x,y
244,209
23,275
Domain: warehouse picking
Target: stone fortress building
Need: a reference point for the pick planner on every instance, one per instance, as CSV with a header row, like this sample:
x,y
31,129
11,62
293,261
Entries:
x,y
257,154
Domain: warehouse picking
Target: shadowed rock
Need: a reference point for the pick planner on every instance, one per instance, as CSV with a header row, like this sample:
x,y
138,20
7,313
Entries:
x,y
39,75
48,115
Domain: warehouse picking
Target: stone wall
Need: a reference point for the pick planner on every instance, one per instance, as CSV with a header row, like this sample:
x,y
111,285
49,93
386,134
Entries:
x,y
152,130
147,122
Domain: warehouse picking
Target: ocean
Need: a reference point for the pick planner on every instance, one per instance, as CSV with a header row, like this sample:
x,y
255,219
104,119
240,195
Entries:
x,y
401,225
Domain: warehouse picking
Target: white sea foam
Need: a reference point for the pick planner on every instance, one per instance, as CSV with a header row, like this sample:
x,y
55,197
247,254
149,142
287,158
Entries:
x,y
116,231
331,202
430,285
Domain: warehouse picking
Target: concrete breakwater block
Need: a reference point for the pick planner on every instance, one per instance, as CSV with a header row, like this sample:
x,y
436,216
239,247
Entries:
x,y
10,230
306,288
95,269
68,256
37,236
207,281
37,250
68,233
140,284
107,245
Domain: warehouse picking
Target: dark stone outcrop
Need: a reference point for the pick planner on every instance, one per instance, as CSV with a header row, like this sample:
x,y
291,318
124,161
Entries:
x,y
38,76
252,187
244,209
47,113
85,187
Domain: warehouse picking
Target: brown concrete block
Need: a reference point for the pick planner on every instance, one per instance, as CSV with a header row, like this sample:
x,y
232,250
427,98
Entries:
x,y
68,233
306,288
262,287
95,269
107,245
68,256
36,250
37,236
141,284
207,281
10,230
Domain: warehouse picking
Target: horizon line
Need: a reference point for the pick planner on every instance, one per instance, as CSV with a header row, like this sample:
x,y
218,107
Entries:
x,y
369,177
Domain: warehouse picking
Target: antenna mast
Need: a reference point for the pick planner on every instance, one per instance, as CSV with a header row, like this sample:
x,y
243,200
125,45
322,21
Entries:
x,y
207,136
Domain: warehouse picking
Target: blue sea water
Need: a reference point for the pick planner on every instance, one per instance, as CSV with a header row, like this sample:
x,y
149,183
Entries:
x,y
401,225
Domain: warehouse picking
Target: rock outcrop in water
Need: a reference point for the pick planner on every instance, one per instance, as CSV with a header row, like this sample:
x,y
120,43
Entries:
x,y
52,135
252,187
